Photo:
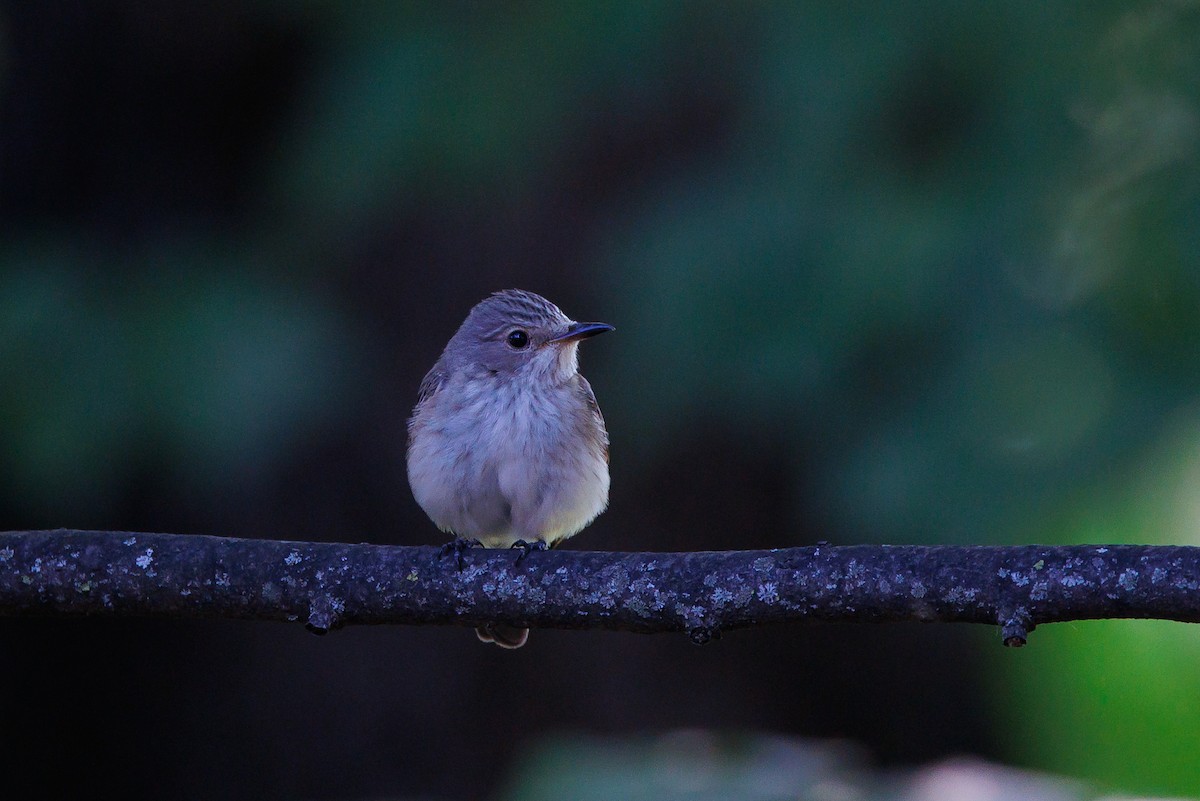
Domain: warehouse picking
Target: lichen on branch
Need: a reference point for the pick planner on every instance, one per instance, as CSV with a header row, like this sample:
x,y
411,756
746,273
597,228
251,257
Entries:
x,y
328,585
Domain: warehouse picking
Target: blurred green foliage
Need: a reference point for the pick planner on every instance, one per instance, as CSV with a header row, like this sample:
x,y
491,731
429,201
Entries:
x,y
1117,701
695,765
946,254
201,362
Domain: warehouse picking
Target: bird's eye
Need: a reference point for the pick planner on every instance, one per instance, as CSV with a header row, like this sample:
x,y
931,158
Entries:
x,y
518,339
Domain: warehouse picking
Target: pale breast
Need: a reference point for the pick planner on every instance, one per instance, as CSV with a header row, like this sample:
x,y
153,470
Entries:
x,y
502,465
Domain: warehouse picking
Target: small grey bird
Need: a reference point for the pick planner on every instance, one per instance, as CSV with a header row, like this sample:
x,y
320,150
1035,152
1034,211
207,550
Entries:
x,y
506,446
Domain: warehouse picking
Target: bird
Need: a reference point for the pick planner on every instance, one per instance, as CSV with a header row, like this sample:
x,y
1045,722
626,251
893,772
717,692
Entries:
x,y
507,447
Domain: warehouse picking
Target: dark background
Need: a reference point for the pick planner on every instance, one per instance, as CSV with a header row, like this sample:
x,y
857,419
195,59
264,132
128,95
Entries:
x,y
880,272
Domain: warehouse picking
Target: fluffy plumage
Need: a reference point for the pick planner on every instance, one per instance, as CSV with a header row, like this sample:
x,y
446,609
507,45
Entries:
x,y
506,442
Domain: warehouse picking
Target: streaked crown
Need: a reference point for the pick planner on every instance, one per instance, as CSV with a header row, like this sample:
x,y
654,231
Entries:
x,y
518,307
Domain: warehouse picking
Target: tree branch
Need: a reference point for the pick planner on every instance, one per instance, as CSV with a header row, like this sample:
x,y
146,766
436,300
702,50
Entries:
x,y
328,585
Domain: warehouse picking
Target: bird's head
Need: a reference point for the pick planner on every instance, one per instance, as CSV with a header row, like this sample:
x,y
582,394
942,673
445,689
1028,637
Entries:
x,y
519,333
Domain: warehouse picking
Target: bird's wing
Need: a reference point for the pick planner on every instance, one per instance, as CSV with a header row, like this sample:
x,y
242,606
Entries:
x,y
430,384
589,397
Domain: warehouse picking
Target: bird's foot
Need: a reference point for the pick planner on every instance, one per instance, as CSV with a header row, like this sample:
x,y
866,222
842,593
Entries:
x,y
458,546
526,547
502,634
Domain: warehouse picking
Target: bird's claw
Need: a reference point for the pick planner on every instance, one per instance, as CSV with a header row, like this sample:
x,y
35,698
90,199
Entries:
x,y
525,547
458,546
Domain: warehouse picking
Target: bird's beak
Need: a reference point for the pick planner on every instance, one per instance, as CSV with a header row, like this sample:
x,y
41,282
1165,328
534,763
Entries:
x,y
578,331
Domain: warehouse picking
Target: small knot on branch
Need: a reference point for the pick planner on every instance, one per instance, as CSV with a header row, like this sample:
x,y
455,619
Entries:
x,y
323,615
1015,628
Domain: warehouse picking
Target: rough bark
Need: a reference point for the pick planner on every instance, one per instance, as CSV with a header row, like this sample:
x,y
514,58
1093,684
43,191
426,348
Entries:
x,y
327,585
